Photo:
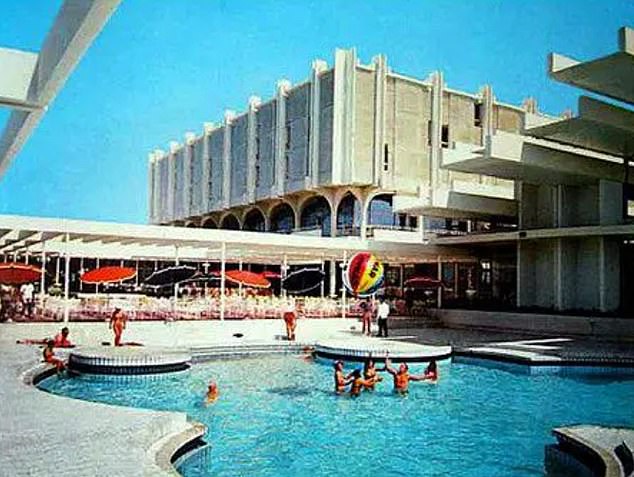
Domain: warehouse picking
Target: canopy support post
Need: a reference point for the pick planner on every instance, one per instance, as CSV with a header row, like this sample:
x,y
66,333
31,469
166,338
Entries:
x,y
284,273
322,286
223,260
97,284
176,261
66,280
343,287
240,284
81,270
43,276
439,298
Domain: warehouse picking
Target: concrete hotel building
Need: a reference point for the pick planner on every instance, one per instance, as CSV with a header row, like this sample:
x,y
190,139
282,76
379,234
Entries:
x,y
361,150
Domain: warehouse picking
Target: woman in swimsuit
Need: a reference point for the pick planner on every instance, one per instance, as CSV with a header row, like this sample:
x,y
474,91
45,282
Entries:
x,y
117,324
358,383
212,393
341,381
370,373
431,373
290,319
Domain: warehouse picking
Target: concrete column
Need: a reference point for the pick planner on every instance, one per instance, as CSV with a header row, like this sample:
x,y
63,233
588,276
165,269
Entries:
x,y
380,92
188,157
609,274
318,67
321,287
364,217
206,179
226,159
611,203
252,129
57,266
435,130
97,284
343,116
223,259
279,183
333,278
176,262
171,181
81,270
151,189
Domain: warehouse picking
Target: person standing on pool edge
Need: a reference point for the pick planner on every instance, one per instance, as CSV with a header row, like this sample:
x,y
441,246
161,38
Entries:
x,y
117,324
382,313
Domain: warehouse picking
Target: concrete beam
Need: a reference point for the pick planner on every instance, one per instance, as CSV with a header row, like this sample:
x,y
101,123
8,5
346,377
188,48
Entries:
x,y
76,26
17,71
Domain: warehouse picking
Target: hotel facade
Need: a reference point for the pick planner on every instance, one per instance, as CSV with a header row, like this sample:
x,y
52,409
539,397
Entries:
x,y
359,150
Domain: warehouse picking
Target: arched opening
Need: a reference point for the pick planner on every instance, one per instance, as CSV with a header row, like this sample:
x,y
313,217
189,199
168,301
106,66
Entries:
x,y
209,224
191,225
316,215
230,222
254,221
282,219
349,216
381,215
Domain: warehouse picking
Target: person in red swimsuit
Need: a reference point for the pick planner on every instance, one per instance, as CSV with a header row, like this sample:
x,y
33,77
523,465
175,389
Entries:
x,y
49,357
117,324
290,319
61,339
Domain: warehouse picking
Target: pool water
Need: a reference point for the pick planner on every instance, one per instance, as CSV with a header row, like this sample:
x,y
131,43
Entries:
x,y
278,416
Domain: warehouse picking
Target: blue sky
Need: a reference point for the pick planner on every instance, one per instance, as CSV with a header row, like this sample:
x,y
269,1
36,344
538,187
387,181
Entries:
x,y
161,68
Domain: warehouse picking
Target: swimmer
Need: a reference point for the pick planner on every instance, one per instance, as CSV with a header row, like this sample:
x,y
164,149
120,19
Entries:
x,y
402,377
49,357
212,393
341,381
61,339
358,383
370,373
431,373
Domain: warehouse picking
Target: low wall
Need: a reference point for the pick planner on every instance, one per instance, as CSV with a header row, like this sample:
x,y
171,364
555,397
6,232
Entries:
x,y
621,328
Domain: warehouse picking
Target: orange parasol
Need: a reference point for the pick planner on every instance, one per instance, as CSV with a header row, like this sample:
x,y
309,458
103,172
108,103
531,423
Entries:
x,y
18,273
108,275
247,279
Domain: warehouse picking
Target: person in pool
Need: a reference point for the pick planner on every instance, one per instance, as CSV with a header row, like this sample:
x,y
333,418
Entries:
x,y
431,373
49,357
370,373
402,377
212,393
358,383
341,380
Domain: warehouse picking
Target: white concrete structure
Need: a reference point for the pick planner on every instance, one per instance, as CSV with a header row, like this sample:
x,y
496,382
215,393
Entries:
x,y
575,187
353,150
30,81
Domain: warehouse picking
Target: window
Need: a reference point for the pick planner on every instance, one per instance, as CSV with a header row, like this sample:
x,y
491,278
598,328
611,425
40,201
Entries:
x,y
288,136
477,114
444,136
429,133
386,158
257,159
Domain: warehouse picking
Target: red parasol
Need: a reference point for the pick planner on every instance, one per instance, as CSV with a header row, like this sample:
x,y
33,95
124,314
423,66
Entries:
x,y
422,282
18,273
247,279
108,275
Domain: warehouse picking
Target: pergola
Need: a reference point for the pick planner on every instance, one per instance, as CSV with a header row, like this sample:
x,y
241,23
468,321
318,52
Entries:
x,y
22,237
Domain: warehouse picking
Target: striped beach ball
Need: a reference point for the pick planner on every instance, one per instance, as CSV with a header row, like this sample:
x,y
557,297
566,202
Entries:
x,y
363,275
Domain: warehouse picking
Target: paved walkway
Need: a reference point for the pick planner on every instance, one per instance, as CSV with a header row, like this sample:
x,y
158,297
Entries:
x,y
41,433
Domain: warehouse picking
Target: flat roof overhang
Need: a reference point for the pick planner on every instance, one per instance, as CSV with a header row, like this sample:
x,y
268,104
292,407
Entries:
x,y
599,126
34,80
625,231
19,235
516,157
460,205
610,75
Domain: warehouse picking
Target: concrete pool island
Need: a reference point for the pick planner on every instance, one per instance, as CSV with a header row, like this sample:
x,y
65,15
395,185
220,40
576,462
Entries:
x,y
363,272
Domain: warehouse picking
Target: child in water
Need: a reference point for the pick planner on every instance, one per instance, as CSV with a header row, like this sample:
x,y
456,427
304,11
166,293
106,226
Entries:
x,y
212,393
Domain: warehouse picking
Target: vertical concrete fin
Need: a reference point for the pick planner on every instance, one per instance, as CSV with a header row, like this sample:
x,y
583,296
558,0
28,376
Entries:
x,y
435,131
380,92
318,67
343,116
279,182
252,149
226,159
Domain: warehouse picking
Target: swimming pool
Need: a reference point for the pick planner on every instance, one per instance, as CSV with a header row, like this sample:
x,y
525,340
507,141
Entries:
x,y
277,416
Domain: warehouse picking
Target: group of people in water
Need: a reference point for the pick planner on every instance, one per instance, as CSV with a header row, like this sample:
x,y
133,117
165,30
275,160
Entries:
x,y
367,380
